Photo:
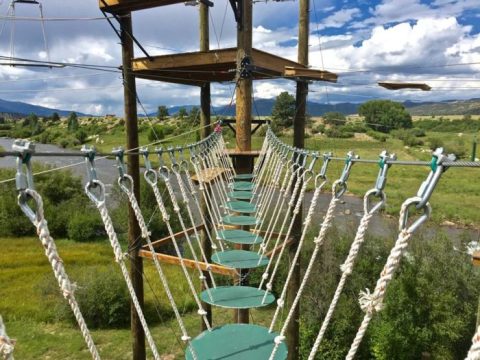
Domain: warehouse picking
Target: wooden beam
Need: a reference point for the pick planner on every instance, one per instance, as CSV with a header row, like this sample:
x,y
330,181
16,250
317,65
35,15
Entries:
x,y
273,62
274,252
123,6
405,85
178,235
310,74
173,260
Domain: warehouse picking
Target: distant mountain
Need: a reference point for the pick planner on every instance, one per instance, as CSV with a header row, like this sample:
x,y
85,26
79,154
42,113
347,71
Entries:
x,y
18,108
448,107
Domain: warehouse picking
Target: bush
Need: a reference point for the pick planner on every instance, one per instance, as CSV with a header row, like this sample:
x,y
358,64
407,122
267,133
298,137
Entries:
x,y
317,129
435,143
85,226
340,133
101,294
334,118
155,133
412,141
377,135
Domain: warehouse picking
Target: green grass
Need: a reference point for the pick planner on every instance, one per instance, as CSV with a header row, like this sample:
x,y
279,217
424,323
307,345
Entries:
x,y
29,317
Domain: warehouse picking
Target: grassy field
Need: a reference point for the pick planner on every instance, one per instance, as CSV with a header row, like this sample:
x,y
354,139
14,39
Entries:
x,y
25,273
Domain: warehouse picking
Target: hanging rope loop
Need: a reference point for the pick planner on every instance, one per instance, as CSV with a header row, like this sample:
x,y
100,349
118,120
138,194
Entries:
x,y
7,345
405,214
369,205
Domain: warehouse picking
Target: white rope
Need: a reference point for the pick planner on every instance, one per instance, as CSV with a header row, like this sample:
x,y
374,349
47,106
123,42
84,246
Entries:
x,y
373,302
305,181
120,259
67,287
166,219
347,266
474,352
146,235
327,222
7,345
306,225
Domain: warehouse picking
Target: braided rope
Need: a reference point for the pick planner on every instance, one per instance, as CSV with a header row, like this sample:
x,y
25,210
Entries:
x,y
166,219
306,224
146,235
346,268
474,352
373,302
120,259
67,287
7,345
327,222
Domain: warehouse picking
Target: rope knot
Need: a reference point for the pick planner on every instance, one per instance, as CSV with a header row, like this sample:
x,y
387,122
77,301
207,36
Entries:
x,y
280,303
346,268
269,286
186,338
370,302
201,312
7,346
265,276
279,339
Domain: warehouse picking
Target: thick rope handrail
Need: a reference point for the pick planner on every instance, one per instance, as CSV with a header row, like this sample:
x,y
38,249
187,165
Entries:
x,y
373,302
146,235
327,222
306,225
7,345
120,257
56,262
347,266
67,287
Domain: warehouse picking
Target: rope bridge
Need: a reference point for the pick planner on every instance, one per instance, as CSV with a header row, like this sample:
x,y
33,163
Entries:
x,y
256,212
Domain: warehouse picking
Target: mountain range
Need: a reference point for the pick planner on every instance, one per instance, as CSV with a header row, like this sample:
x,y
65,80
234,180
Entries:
x,y
263,107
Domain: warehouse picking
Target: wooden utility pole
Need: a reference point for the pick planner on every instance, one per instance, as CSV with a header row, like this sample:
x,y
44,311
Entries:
x,y
134,233
293,332
204,132
244,164
244,89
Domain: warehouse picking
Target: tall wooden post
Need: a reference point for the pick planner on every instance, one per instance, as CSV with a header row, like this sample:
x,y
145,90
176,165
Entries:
x,y
134,233
293,333
244,89
204,132
244,164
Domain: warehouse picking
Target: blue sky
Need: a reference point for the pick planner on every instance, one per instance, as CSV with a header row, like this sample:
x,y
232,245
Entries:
x,y
363,41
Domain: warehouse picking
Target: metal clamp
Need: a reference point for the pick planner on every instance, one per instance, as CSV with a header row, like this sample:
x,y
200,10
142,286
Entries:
x,y
120,156
326,160
348,166
25,150
437,169
93,183
382,173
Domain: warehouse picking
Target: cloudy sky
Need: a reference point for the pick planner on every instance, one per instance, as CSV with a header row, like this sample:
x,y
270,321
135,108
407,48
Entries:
x,y
363,41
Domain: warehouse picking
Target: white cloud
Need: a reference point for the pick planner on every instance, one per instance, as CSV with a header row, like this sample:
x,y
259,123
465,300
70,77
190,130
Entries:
x,y
339,18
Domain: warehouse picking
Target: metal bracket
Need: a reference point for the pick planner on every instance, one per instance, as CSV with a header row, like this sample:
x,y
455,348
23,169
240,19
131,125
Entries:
x,y
237,12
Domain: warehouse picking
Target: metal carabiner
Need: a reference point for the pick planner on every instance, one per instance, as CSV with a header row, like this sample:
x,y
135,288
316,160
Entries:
x,y
437,169
403,221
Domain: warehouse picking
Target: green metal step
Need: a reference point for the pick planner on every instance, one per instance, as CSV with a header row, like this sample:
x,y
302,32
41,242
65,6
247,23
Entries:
x,y
236,342
239,237
239,220
236,297
247,177
240,195
242,186
239,259
244,207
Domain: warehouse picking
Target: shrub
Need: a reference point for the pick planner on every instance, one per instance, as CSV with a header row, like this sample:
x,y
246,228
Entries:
x,y
317,129
341,133
85,226
101,294
377,135
435,142
155,133
410,140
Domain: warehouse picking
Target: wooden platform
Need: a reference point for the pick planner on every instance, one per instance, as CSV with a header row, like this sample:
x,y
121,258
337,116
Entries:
x,y
406,85
198,68
122,6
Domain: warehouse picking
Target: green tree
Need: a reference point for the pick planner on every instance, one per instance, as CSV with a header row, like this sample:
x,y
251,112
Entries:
x,y
81,136
194,116
162,112
72,122
55,117
30,121
182,113
334,118
283,110
385,115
